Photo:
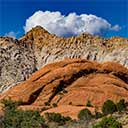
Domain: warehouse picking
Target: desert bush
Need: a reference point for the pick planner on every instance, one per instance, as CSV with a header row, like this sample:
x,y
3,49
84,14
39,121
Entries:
x,y
14,118
109,107
9,104
98,114
108,122
47,103
54,105
89,104
84,114
56,117
121,105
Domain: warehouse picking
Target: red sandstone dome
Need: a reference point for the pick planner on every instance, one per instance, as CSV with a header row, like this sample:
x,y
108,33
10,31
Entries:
x,y
70,84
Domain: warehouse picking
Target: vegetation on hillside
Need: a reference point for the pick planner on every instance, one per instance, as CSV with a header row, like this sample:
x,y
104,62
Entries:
x,y
108,122
15,118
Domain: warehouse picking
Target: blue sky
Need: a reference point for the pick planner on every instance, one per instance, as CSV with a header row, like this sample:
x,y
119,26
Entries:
x,y
14,13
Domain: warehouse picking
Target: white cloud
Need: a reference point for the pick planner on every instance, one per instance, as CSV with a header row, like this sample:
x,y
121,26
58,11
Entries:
x,y
116,28
11,34
72,24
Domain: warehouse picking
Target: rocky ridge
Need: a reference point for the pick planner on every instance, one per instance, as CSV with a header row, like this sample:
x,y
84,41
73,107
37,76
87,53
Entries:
x,y
49,48
20,58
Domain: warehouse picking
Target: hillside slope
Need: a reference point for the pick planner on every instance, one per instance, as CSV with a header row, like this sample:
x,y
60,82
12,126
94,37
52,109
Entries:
x,y
70,84
20,58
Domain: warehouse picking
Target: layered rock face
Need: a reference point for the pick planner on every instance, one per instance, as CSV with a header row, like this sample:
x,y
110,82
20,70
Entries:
x,y
17,63
49,48
20,58
70,84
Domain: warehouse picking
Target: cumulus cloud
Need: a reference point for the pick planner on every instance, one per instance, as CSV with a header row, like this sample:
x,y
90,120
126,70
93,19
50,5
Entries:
x,y
116,28
70,25
11,34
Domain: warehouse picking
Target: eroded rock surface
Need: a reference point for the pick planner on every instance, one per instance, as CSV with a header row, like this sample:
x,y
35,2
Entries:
x,y
20,58
49,48
17,63
72,83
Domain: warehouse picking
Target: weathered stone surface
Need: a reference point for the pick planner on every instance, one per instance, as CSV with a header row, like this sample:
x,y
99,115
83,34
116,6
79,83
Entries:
x,y
20,58
50,48
17,63
72,83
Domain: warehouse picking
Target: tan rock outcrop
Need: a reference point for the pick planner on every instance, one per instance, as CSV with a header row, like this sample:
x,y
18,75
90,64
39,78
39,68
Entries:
x,y
49,48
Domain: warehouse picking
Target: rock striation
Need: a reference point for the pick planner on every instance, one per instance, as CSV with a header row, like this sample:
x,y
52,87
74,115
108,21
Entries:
x,y
17,63
20,58
70,84
49,48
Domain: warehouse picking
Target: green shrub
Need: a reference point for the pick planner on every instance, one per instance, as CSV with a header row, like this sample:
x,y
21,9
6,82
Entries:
x,y
9,104
54,105
121,105
22,119
98,115
14,118
109,107
47,103
108,122
89,104
43,109
84,114
56,117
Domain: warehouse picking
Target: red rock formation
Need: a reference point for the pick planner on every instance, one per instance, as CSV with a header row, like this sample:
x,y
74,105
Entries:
x,y
71,84
20,58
